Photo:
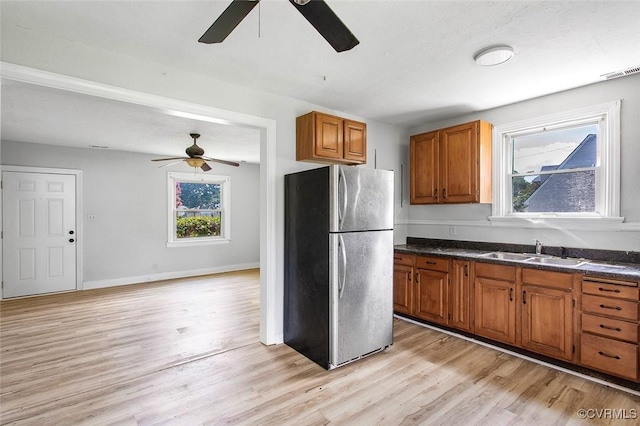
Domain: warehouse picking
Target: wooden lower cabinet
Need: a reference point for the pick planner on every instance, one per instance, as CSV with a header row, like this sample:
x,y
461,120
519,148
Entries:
x,y
534,309
431,295
495,309
610,356
547,321
609,326
460,315
402,289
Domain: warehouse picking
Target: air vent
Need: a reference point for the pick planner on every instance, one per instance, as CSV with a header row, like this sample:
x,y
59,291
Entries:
x,y
621,73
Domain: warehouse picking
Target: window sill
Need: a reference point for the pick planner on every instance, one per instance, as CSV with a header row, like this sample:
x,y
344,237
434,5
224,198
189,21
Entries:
x,y
195,243
557,222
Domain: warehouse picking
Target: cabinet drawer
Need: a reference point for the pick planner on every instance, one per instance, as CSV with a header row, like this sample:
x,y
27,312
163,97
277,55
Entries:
x,y
609,327
498,272
611,356
433,263
612,307
403,259
610,290
551,279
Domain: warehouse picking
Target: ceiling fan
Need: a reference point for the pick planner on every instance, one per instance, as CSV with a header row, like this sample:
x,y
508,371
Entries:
x,y
317,12
196,157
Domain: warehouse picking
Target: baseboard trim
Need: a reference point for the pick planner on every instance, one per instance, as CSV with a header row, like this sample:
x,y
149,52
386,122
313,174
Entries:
x,y
90,285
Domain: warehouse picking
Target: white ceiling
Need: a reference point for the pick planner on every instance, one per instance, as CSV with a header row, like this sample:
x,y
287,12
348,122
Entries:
x,y
414,62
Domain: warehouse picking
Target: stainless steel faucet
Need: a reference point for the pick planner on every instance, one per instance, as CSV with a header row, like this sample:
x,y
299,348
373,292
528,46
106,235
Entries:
x,y
538,247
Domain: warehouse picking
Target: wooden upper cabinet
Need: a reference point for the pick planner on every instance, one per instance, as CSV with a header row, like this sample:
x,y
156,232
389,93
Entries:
x,y
424,156
452,165
325,138
355,141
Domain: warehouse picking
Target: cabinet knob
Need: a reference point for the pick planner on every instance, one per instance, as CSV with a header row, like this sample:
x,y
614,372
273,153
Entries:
x,y
71,240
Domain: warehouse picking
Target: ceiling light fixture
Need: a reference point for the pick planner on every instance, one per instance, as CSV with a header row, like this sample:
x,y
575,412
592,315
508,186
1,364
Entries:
x,y
194,162
494,55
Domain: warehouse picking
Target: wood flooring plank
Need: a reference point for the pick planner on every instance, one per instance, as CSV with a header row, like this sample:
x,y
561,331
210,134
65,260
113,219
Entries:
x,y
186,352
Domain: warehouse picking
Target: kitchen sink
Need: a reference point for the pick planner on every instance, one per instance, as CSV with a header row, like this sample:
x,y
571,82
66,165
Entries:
x,y
557,261
535,258
507,256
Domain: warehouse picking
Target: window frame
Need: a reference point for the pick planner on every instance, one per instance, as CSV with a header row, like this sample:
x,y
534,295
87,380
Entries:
x,y
225,209
607,168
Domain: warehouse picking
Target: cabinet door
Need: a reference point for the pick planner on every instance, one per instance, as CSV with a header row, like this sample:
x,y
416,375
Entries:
x,y
328,141
402,289
547,321
424,168
459,163
495,310
431,301
460,296
355,141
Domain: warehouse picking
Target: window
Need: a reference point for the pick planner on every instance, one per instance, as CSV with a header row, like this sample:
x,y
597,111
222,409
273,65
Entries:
x,y
198,209
560,167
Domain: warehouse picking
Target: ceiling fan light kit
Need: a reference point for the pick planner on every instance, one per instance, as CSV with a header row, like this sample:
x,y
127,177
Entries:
x,y
494,55
195,157
317,12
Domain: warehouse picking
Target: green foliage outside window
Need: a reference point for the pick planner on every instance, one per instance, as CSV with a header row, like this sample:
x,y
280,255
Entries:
x,y
197,226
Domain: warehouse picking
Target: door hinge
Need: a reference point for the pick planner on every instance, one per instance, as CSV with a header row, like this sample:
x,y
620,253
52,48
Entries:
x,y
573,303
573,348
449,316
478,192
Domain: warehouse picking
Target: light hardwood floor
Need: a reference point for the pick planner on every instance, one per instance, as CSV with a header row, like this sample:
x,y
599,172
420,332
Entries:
x,y
186,352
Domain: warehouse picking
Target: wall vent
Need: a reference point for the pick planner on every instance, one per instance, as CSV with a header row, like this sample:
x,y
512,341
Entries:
x,y
621,73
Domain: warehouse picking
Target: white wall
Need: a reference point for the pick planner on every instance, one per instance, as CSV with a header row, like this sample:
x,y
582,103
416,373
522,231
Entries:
x,y
127,194
30,48
471,221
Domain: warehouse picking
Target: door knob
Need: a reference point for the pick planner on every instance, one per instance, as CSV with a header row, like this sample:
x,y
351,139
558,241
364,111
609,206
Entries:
x,y
71,240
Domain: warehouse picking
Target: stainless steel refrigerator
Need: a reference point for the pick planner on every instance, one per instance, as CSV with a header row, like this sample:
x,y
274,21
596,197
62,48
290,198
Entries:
x,y
338,283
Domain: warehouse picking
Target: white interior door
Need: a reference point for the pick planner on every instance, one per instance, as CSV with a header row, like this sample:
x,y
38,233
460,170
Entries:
x,y
39,233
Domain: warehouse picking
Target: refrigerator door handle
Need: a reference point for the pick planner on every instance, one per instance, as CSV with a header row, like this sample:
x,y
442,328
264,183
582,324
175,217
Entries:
x,y
343,252
342,211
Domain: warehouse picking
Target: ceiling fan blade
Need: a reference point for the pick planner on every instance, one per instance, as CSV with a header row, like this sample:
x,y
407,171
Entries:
x,y
205,167
167,159
327,23
228,163
230,18
170,164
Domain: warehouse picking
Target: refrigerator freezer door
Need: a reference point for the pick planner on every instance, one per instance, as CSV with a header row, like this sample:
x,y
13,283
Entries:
x,y
361,199
361,294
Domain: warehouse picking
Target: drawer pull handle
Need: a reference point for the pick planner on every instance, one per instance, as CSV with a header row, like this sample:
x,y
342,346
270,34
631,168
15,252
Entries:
x,y
429,263
511,295
610,328
617,308
606,289
609,356
397,258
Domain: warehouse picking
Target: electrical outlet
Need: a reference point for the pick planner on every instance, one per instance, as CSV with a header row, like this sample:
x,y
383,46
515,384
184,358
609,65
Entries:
x,y
91,216
452,230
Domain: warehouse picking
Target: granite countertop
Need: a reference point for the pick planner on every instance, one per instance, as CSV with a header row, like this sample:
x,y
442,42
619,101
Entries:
x,y
475,251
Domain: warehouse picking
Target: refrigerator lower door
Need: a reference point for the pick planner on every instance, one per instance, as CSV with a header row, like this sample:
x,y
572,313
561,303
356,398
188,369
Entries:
x,y
361,294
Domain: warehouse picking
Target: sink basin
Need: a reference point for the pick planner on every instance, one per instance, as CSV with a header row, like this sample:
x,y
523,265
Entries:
x,y
557,261
506,256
